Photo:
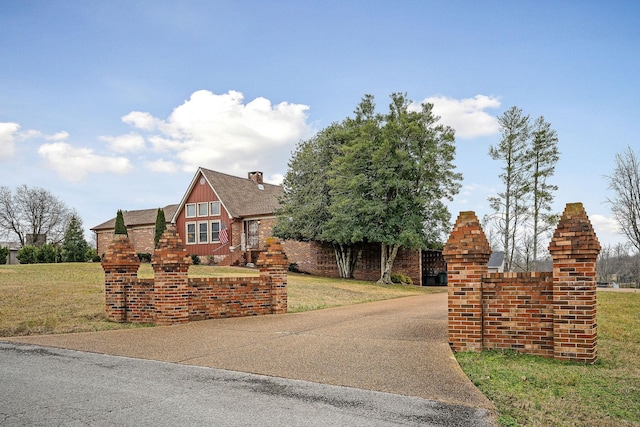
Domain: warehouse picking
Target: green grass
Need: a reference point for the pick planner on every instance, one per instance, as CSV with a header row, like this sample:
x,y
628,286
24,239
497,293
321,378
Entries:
x,y
60,298
537,391
312,292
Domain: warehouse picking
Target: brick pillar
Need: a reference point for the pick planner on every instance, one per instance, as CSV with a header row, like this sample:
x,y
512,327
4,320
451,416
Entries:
x,y
574,249
273,264
171,283
467,253
120,265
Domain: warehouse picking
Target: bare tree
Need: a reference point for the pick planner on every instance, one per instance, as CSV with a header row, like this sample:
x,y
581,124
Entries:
x,y
511,205
31,213
625,206
543,156
605,263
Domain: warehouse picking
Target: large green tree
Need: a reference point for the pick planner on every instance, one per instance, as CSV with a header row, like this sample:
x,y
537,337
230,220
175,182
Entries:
x,y
372,178
305,204
74,247
389,183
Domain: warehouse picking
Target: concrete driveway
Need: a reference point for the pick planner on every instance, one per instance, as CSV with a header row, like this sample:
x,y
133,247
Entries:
x,y
396,346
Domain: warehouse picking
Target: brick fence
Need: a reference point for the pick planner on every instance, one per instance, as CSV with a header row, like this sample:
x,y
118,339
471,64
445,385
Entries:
x,y
551,314
172,297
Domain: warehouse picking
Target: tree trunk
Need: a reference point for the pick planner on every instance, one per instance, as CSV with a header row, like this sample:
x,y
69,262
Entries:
x,y
387,259
346,259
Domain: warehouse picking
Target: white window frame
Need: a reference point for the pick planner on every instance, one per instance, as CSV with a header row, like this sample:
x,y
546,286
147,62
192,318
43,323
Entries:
x,y
206,232
217,239
195,231
186,210
199,207
216,211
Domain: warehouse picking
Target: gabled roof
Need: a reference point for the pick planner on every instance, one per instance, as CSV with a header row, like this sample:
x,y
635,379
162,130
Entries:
x,y
12,246
241,197
138,218
496,260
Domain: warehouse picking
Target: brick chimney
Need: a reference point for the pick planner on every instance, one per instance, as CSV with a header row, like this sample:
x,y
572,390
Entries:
x,y
256,177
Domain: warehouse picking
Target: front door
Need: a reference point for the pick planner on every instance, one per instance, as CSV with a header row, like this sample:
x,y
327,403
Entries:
x,y
253,240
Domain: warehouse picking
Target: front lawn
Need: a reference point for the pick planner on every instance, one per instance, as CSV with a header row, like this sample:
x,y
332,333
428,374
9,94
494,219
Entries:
x,y
536,391
59,298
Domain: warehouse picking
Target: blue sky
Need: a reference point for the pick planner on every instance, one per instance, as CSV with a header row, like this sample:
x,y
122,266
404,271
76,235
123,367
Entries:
x,y
113,105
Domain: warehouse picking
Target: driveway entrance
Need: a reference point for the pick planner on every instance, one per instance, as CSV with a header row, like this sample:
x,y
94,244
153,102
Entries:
x,y
396,346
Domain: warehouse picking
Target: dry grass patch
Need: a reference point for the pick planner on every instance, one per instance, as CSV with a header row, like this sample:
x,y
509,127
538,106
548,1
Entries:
x,y
60,298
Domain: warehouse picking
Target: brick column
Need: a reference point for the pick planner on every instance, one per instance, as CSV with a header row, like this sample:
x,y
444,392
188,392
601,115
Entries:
x,y
171,282
273,264
574,250
120,265
467,253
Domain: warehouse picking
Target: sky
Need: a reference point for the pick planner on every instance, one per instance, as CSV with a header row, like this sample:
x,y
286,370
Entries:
x,y
114,105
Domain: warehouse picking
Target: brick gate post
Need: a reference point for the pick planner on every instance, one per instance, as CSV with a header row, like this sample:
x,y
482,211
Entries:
x,y
273,264
467,253
120,265
574,249
171,282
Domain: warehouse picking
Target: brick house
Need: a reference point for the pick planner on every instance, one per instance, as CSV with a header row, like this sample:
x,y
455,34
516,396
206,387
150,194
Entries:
x,y
141,226
229,219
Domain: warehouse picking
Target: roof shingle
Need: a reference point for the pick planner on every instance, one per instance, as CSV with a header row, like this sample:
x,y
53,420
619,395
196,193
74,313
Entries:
x,y
243,197
138,218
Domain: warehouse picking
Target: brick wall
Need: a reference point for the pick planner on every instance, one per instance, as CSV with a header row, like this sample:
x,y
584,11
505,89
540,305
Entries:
x,y
319,259
141,238
518,312
171,297
547,314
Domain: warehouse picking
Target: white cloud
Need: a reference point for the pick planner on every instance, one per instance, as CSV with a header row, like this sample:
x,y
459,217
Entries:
x,y
74,164
8,139
163,144
222,133
162,166
276,178
141,120
125,143
467,116
604,223
60,136
607,230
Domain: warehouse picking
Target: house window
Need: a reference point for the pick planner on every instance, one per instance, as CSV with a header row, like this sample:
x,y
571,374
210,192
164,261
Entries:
x,y
215,208
190,210
203,209
191,233
203,232
215,231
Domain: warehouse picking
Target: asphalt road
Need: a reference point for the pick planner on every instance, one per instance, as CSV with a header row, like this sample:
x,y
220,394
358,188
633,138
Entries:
x,y
46,386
